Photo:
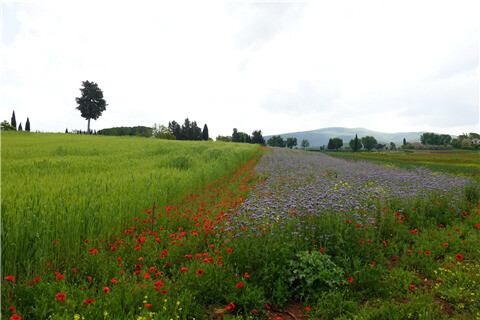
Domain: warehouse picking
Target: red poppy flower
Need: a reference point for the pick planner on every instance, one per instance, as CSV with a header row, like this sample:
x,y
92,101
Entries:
x,y
350,280
412,287
106,290
183,269
199,272
146,275
15,317
75,270
247,275
9,278
60,296
11,309
239,285
384,243
37,279
119,259
164,292
307,309
60,277
230,306
114,281
459,257
254,311
93,251
88,301
321,249
229,250
445,245
148,305
89,278
427,252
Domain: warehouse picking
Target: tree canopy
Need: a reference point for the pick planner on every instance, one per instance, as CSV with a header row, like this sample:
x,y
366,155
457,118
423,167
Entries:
x,y
369,142
276,141
335,144
305,144
91,104
430,138
257,137
291,142
355,144
189,130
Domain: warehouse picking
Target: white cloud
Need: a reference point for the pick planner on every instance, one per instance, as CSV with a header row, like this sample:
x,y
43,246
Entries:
x,y
278,67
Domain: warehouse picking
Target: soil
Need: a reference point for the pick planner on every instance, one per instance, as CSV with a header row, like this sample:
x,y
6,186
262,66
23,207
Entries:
x,y
295,308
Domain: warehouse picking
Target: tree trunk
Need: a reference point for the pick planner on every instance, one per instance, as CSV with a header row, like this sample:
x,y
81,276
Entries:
x,y
88,128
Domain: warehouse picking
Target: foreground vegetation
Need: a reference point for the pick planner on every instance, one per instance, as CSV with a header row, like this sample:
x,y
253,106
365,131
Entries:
x,y
58,189
351,240
455,162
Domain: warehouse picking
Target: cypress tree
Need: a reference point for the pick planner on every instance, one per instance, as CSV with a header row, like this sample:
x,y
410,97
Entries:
x,y
205,133
27,125
20,127
355,149
66,130
404,142
14,121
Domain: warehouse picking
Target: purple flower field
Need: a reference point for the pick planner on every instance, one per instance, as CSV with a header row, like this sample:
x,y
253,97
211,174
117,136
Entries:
x,y
301,185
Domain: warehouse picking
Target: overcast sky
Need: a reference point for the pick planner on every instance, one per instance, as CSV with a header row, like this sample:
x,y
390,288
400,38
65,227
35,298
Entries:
x,y
279,67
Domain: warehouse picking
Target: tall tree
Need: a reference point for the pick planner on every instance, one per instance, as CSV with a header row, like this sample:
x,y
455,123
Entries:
x,y
175,129
186,130
14,121
276,141
20,127
257,137
291,142
358,144
195,132
205,132
27,125
91,104
236,137
305,144
404,141
369,142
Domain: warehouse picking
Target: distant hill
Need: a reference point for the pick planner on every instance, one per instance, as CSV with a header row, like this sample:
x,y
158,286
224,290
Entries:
x,y
320,137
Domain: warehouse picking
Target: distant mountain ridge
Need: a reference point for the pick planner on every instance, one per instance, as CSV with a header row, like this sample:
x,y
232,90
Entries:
x,y
320,137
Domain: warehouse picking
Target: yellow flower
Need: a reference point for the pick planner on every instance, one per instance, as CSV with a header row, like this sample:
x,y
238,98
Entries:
x,y
105,314
76,317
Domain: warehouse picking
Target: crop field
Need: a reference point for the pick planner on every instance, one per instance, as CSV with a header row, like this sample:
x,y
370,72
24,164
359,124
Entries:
x,y
62,188
346,240
456,162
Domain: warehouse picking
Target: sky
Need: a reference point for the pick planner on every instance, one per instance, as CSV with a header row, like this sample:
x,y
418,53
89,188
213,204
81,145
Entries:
x,y
275,66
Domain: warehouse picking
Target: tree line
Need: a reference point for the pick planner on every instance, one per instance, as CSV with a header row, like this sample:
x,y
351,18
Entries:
x,y
12,125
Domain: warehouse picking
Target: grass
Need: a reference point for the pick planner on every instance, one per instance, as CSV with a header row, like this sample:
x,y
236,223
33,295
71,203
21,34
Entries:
x,y
257,237
456,162
65,188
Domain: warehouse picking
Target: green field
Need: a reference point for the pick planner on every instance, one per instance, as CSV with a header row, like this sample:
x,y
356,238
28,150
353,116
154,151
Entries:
x,y
456,162
239,232
68,188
